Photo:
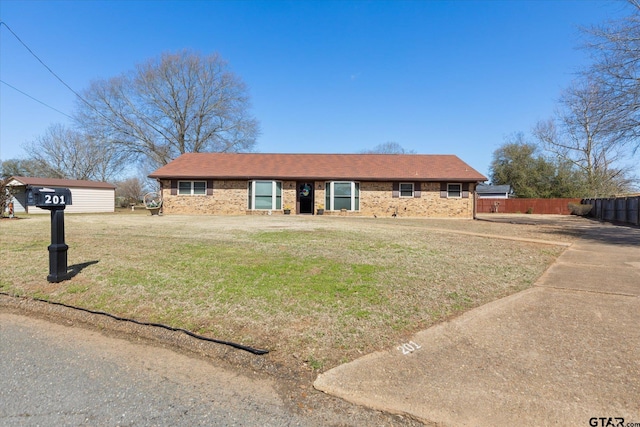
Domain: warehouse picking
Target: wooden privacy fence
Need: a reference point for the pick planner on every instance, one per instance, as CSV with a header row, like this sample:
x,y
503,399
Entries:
x,y
616,209
534,206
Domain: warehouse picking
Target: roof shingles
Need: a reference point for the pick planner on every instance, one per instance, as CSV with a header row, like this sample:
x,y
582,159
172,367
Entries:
x,y
372,167
56,182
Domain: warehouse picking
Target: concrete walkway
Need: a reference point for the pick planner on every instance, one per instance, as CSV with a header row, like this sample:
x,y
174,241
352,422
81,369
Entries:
x,y
560,353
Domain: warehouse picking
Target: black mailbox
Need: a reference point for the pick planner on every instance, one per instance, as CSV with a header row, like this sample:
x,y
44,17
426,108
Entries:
x,y
55,200
51,198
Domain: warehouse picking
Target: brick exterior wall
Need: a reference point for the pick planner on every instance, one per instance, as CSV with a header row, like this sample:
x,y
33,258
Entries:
x,y
376,198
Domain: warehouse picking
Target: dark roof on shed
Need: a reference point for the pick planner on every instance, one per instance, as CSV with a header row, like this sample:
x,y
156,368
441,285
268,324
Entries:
x,y
370,167
56,182
486,188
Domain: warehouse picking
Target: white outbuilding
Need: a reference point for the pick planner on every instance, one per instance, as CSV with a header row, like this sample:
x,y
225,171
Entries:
x,y
86,196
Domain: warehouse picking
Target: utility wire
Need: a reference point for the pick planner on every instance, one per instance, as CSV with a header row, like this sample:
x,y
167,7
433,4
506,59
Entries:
x,y
100,113
42,62
37,100
93,108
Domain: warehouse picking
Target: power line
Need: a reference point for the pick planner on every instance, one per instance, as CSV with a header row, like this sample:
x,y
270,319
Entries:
x,y
37,100
42,62
100,113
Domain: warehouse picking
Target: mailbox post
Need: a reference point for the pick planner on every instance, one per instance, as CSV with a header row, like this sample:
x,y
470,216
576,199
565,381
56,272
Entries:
x,y
55,200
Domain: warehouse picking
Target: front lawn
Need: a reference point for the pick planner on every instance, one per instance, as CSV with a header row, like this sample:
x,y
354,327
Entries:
x,y
315,291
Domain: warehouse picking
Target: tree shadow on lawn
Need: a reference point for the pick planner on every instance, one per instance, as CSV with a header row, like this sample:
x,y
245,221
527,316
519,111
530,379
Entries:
x,y
583,228
613,234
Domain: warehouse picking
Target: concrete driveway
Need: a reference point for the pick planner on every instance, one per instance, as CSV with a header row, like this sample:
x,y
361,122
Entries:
x,y
561,353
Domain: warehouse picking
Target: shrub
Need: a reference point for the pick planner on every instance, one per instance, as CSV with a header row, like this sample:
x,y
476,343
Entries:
x,y
579,209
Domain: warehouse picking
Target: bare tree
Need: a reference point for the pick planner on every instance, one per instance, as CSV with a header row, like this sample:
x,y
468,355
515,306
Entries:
x,y
177,103
130,190
389,147
29,167
75,155
615,48
587,132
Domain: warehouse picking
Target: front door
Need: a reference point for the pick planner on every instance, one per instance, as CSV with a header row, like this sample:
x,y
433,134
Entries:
x,y
305,197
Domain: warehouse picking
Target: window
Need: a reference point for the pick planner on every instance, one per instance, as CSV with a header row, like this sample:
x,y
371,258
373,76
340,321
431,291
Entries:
x,y
454,190
342,195
266,195
406,189
192,188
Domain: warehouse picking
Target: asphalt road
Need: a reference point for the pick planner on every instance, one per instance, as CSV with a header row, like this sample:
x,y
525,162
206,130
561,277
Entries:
x,y
54,375
57,375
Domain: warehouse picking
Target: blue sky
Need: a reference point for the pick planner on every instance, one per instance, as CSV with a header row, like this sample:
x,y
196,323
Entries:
x,y
438,77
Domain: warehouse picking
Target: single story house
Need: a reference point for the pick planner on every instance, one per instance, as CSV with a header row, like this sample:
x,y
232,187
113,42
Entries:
x,y
486,191
384,185
86,196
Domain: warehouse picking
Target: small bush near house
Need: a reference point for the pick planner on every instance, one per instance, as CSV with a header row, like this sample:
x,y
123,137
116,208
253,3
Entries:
x,y
579,209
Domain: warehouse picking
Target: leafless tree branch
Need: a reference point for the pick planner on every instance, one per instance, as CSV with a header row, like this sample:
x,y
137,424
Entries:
x,y
177,103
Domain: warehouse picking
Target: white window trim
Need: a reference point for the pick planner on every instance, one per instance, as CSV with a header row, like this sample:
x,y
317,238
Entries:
x,y
191,184
332,192
413,190
449,191
274,198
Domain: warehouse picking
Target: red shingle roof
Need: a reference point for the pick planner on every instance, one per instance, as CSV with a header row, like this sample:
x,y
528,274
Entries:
x,y
366,167
55,182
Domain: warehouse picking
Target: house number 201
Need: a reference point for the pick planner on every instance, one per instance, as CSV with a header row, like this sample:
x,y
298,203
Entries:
x,y
409,347
54,199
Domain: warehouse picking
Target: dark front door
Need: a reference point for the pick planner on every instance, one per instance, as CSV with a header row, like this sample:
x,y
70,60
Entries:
x,y
305,197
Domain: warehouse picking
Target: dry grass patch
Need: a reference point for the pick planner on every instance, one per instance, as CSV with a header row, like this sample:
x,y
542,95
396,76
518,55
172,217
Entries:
x,y
310,289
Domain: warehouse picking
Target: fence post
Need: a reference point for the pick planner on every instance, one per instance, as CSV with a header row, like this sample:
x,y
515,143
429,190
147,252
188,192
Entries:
x,y
626,210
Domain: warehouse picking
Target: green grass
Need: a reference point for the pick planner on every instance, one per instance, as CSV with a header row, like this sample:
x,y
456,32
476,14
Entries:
x,y
324,290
